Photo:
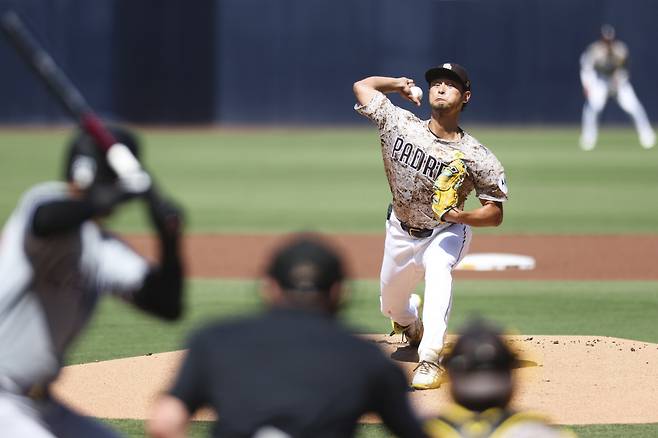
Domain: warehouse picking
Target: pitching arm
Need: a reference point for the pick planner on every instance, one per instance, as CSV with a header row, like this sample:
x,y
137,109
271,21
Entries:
x,y
365,89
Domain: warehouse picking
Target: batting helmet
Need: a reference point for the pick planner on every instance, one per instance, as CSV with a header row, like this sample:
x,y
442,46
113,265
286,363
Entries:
x,y
86,164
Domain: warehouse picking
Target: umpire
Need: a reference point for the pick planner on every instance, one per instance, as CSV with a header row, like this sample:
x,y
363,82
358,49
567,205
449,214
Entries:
x,y
292,371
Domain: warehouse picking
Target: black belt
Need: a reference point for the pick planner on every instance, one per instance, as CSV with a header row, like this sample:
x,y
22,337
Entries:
x,y
418,233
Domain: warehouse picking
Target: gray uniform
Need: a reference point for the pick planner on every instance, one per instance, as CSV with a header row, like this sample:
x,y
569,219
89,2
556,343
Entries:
x,y
48,291
413,159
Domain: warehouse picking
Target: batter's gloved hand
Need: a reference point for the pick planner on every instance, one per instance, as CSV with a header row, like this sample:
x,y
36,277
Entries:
x,y
166,216
446,186
104,197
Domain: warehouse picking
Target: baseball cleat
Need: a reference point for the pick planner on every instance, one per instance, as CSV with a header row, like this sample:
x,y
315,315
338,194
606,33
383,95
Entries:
x,y
412,333
427,375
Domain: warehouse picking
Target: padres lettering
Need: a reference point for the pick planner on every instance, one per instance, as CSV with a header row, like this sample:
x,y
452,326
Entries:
x,y
410,155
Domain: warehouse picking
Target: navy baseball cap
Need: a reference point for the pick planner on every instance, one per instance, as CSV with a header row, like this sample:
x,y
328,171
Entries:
x,y
450,70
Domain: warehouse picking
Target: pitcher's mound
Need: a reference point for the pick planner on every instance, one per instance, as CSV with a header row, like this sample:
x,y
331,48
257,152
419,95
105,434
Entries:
x,y
572,379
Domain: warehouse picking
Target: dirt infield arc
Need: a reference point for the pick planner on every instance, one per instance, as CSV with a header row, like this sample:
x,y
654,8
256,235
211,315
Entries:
x,y
571,379
558,257
575,380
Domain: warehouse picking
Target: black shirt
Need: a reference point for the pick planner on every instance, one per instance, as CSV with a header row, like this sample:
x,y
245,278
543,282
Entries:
x,y
298,371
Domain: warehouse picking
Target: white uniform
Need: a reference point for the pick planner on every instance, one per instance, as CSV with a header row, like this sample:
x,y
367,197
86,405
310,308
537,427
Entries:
x,y
48,291
604,74
413,158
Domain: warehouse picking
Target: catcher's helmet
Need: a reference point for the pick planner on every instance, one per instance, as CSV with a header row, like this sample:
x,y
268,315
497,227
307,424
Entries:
x,y
480,368
86,164
480,348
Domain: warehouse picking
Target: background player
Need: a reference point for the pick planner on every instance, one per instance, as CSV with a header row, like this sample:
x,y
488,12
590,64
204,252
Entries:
x,y
604,73
424,240
480,369
299,372
55,262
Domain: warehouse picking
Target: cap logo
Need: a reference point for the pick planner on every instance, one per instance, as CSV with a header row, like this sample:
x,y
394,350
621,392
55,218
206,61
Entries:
x,y
448,66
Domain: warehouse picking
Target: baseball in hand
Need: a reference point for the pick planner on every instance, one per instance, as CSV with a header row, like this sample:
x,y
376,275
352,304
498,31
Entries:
x,y
417,92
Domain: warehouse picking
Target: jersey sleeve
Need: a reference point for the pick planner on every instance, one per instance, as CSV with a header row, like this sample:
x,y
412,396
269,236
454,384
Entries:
x,y
117,268
191,383
489,178
380,110
38,195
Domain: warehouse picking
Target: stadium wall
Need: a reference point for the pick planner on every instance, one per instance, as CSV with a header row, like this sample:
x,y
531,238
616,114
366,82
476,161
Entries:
x,y
293,61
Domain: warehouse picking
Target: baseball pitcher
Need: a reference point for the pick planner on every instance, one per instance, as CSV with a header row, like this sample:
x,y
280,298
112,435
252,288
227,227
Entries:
x,y
432,166
56,261
604,74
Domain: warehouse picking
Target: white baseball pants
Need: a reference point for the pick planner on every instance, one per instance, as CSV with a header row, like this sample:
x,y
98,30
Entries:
x,y
408,261
598,91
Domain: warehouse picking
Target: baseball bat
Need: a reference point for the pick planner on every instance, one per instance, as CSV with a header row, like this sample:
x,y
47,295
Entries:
x,y
119,157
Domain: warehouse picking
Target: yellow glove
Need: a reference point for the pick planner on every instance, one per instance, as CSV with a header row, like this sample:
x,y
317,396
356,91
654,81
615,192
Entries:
x,y
446,185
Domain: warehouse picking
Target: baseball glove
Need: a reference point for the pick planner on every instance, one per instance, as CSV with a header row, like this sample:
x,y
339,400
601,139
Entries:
x,y
446,186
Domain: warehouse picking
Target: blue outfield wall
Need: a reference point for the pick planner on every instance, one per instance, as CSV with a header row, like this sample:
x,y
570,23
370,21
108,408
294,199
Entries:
x,y
294,61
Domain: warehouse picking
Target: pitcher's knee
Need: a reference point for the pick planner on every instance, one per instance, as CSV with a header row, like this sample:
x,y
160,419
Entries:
x,y
386,309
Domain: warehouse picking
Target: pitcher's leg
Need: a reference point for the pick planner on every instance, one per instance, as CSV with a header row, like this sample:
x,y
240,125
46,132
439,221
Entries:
x,y
447,249
399,275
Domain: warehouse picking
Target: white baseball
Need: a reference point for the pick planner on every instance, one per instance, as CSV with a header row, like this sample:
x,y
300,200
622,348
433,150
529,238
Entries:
x,y
417,92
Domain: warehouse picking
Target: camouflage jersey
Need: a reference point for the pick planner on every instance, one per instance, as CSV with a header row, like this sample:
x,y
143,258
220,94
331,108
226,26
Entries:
x,y
605,60
414,157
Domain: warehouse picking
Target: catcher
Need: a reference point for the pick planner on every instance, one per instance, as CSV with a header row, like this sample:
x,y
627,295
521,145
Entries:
x,y
432,166
480,370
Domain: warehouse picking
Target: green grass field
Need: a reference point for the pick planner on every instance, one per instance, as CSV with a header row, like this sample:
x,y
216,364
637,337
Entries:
x,y
133,428
332,179
621,309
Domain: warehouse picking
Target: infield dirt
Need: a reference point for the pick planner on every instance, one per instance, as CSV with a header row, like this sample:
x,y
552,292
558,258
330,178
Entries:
x,y
557,257
572,379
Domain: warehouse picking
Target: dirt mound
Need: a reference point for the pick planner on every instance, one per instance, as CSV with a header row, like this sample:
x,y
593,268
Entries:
x,y
572,379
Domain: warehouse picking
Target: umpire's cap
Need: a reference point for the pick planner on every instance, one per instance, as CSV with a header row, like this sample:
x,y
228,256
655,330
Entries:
x,y
480,348
86,164
451,70
306,264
